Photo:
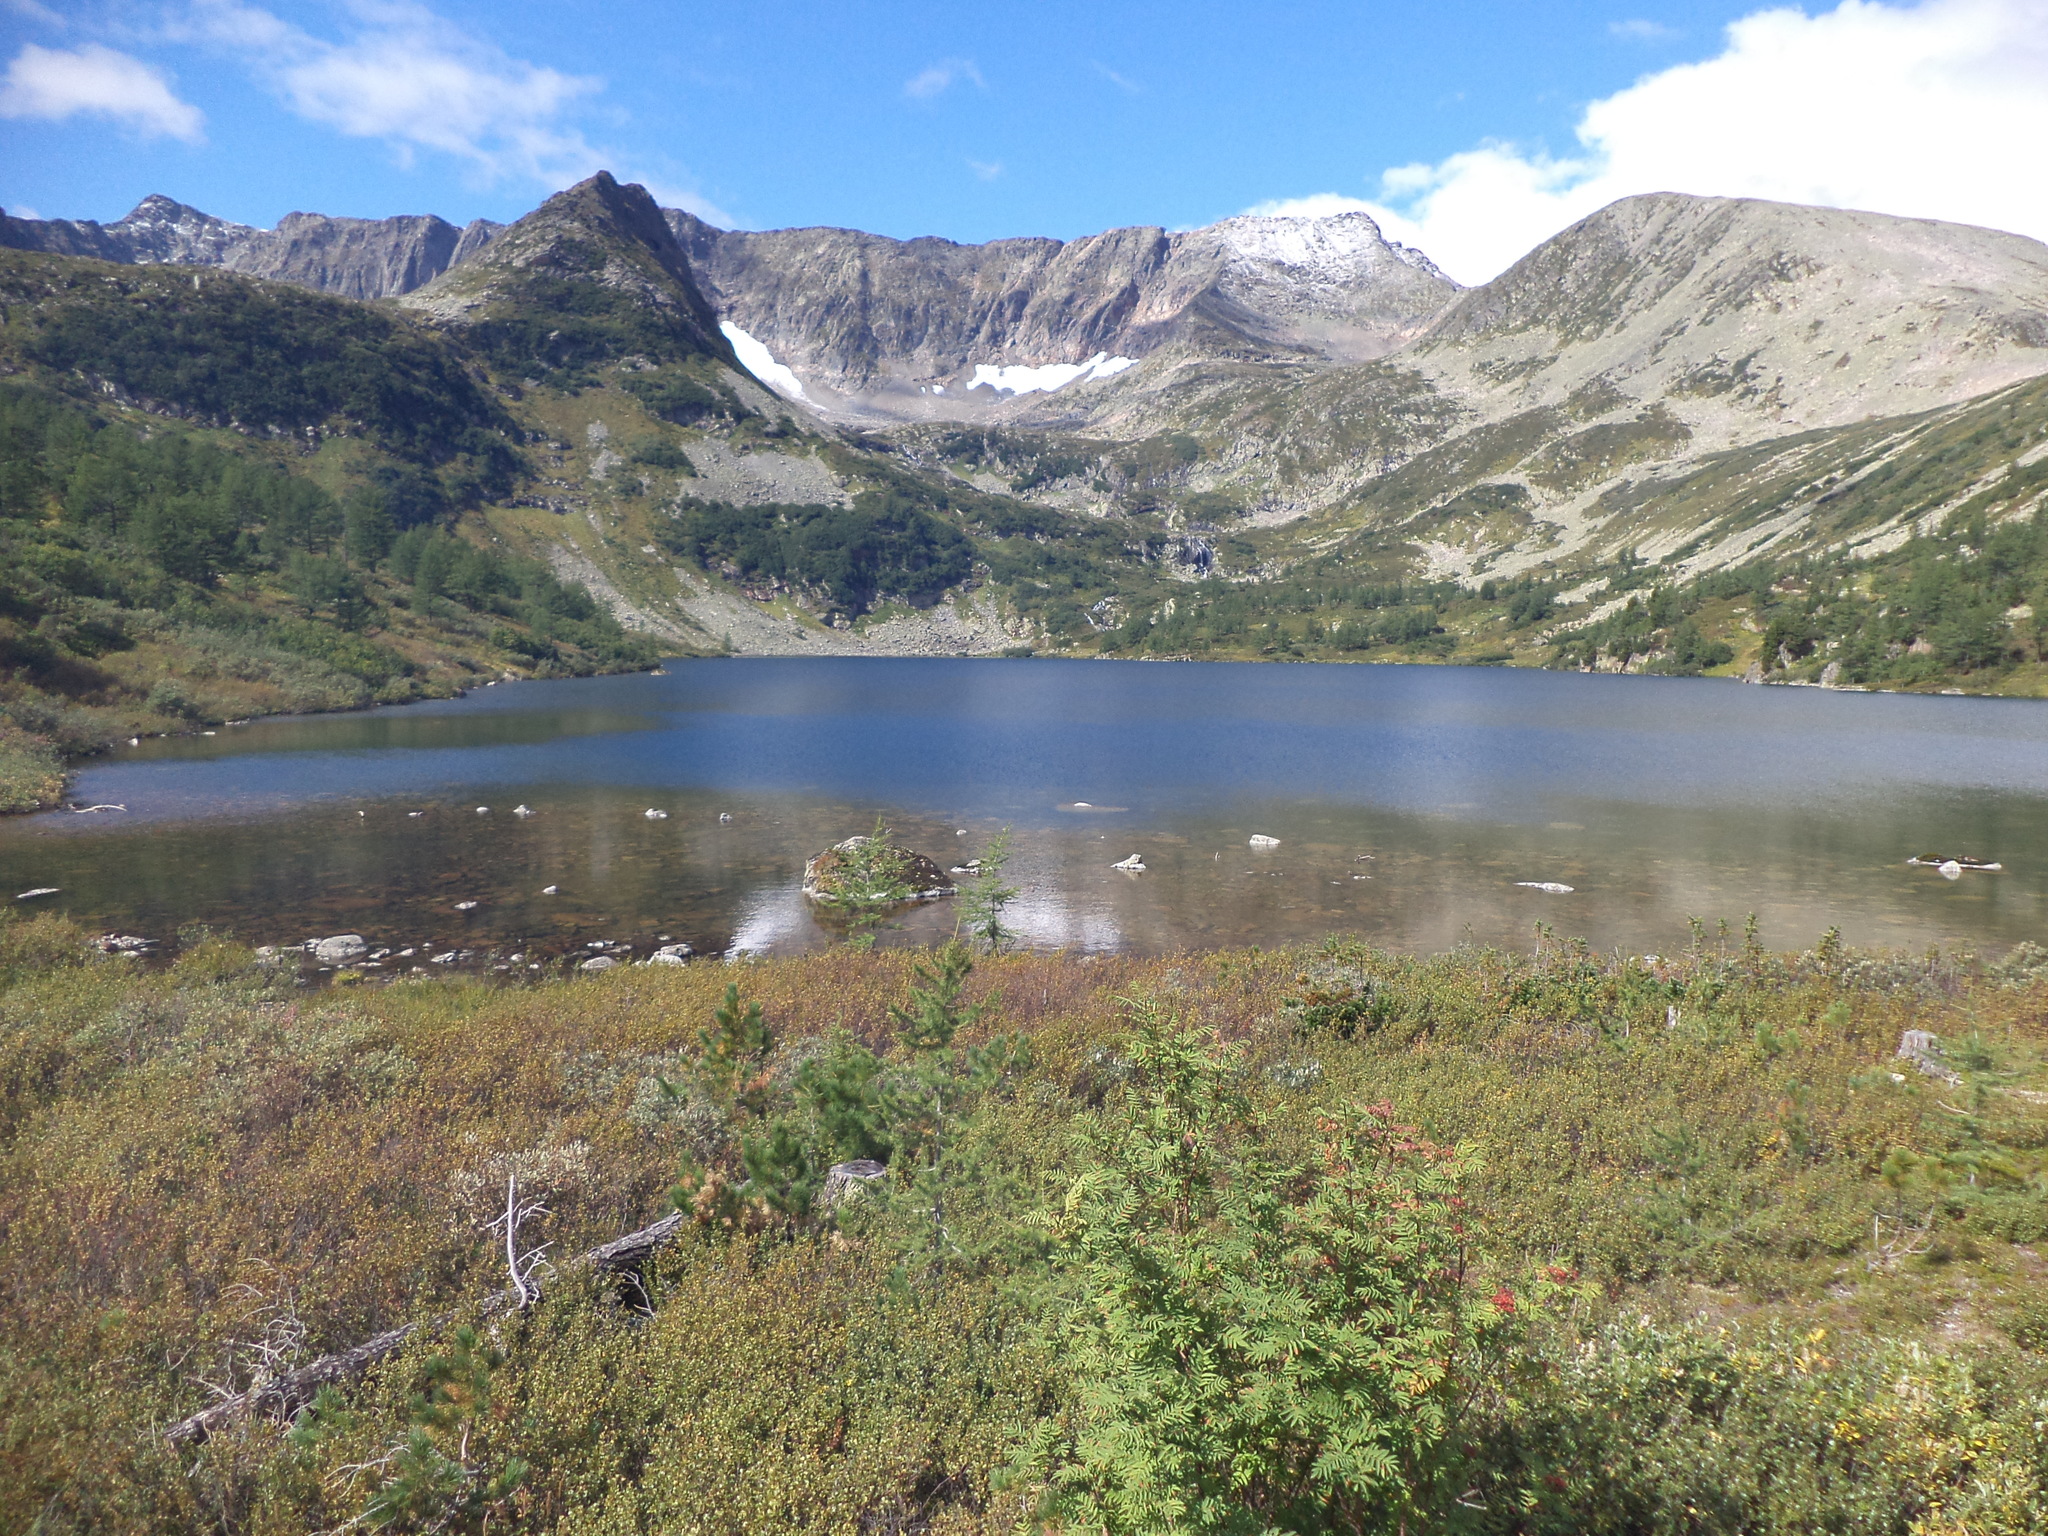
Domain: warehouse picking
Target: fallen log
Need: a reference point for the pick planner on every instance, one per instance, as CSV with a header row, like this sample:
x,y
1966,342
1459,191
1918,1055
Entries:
x,y
285,1395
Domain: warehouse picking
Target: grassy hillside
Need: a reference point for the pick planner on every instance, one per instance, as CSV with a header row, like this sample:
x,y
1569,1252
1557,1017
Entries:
x,y
1728,1264
154,578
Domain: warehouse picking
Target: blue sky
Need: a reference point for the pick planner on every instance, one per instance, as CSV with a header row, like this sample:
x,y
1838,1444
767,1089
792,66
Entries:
x,y
1497,122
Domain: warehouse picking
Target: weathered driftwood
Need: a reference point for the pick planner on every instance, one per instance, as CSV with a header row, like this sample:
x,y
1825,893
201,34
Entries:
x,y
287,1394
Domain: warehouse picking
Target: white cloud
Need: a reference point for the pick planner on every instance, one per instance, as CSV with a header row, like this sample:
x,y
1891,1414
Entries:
x,y
1319,205
1925,110
940,77
54,84
986,170
1641,30
406,76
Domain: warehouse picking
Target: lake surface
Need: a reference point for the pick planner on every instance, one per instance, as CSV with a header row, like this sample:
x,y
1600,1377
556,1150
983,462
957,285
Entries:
x,y
1410,802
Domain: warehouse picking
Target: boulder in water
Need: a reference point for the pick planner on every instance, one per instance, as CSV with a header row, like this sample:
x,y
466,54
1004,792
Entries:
x,y
894,874
338,948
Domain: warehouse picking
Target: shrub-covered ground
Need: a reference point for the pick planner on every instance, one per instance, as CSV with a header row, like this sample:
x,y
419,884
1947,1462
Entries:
x,y
1726,1262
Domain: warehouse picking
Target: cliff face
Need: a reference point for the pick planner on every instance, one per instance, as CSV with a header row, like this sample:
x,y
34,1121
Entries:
x,y
353,258
881,326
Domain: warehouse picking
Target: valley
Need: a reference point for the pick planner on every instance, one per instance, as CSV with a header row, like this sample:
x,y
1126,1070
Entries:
x,y
1687,435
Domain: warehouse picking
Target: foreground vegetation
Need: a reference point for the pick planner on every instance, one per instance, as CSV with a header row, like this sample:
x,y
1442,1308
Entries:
x,y
1306,1240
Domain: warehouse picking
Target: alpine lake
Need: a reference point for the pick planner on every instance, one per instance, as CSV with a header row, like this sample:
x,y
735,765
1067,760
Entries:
x,y
1415,808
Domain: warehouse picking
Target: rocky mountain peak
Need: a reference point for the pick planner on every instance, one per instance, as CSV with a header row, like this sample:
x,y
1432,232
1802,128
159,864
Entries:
x,y
601,263
1330,247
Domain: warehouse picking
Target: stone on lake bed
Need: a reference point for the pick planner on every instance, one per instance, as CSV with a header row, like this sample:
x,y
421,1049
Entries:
x,y
1133,865
338,947
466,906
598,963
41,890
1260,840
653,815
671,954
1554,887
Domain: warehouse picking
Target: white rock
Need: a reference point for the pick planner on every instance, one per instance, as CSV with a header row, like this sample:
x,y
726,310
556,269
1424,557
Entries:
x,y
447,957
1951,870
725,815
41,890
1546,885
549,890
339,947
483,810
1260,840
522,809
653,815
465,906
598,963
1133,864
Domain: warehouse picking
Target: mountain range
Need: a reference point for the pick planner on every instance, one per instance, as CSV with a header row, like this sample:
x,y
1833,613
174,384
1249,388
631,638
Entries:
x,y
1145,440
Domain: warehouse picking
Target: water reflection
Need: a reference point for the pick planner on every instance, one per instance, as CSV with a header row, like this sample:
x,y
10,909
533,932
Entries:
x,y
1409,804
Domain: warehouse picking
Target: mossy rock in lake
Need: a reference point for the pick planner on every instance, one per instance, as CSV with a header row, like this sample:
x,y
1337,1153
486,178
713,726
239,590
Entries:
x,y
873,871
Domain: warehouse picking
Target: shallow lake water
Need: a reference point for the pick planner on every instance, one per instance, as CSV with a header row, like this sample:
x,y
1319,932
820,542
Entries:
x,y
1410,804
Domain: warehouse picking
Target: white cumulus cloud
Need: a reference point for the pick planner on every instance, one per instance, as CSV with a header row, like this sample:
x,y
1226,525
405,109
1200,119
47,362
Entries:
x,y
397,72
54,84
406,76
1933,109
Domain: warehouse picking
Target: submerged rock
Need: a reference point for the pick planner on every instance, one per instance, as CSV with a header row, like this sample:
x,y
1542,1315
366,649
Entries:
x,y
339,947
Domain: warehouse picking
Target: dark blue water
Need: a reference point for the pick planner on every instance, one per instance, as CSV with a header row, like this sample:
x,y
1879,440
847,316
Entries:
x,y
1410,801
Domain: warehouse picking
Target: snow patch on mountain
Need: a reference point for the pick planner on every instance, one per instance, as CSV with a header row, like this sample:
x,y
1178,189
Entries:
x,y
1021,379
755,357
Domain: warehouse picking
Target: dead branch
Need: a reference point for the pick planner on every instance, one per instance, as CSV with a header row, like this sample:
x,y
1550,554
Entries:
x,y
285,1395
520,1266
